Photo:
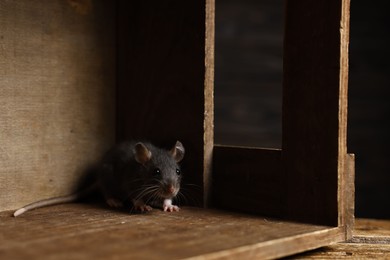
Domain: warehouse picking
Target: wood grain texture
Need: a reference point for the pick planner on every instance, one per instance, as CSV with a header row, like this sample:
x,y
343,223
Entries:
x,y
57,95
347,196
349,251
77,231
375,228
346,162
161,77
371,240
314,107
209,101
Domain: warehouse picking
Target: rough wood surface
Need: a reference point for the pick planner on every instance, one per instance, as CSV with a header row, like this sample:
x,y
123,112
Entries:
x,y
209,101
347,197
77,231
57,94
314,107
346,162
371,240
372,228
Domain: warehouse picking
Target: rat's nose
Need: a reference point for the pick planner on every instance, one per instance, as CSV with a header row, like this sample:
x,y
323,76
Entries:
x,y
171,189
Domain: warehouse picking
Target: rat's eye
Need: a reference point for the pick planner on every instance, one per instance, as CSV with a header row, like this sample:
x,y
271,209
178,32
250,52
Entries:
x,y
178,172
157,172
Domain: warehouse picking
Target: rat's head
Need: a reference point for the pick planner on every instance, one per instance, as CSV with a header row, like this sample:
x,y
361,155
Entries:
x,y
161,171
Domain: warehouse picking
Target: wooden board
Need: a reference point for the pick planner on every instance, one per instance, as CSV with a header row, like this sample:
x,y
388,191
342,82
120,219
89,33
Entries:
x,y
208,136
315,107
162,76
57,94
93,232
347,196
371,240
374,228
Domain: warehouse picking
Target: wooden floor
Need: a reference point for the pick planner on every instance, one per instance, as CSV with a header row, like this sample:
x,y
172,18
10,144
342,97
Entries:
x,y
79,231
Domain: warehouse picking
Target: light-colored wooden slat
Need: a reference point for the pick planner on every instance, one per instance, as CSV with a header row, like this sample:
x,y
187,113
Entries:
x,y
347,196
57,94
78,231
209,100
346,162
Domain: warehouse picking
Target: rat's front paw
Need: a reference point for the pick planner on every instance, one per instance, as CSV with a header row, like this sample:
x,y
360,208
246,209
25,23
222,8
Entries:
x,y
139,205
167,206
171,208
114,203
143,208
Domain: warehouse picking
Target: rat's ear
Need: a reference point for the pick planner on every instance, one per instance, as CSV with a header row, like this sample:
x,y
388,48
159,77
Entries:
x,y
178,151
142,153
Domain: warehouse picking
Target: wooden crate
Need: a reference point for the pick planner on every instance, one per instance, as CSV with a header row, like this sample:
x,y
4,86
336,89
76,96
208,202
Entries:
x,y
78,75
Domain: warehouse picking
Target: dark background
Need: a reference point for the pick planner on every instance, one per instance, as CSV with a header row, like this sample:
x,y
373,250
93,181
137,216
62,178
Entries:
x,y
248,88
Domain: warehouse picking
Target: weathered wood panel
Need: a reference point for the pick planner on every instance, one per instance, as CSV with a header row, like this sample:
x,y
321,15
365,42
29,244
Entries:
x,y
347,197
208,137
57,95
90,232
161,77
315,107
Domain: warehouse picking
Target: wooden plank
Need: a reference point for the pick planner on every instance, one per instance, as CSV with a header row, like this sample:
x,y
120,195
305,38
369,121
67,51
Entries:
x,y
346,164
347,196
249,180
314,107
371,240
280,247
348,251
90,231
161,78
379,228
57,94
209,100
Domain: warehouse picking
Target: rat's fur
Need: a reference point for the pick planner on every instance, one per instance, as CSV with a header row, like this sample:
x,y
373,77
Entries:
x,y
139,173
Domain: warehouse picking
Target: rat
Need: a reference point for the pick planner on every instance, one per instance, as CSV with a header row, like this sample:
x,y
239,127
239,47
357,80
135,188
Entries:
x,y
135,172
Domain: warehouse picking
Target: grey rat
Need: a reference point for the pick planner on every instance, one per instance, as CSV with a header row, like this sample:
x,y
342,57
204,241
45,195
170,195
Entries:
x,y
140,173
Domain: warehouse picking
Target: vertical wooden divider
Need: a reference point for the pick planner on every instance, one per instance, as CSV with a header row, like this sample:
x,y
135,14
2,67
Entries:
x,y
209,100
315,108
346,189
